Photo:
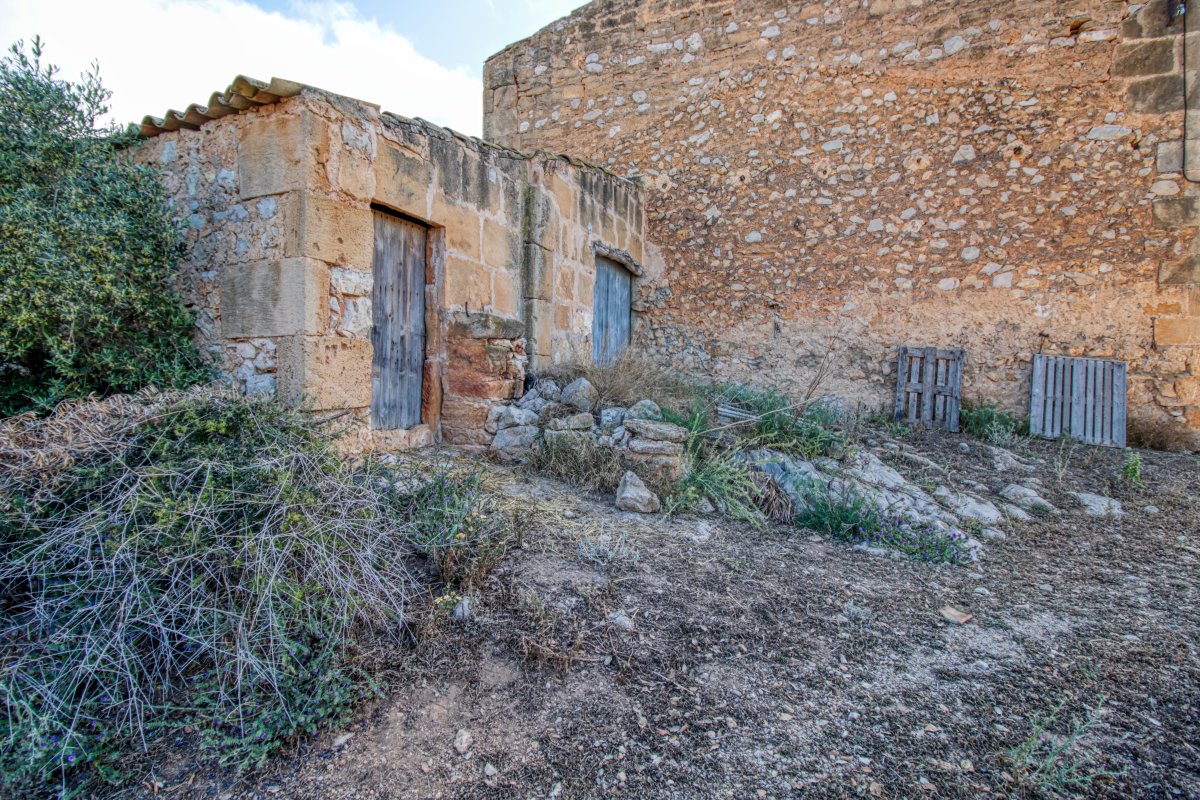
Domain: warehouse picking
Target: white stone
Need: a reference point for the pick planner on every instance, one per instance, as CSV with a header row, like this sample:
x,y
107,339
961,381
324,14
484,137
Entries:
x,y
1165,188
963,155
954,45
611,418
632,495
580,394
1095,505
501,417
511,441
1108,133
644,409
356,315
1026,498
350,281
969,506
970,253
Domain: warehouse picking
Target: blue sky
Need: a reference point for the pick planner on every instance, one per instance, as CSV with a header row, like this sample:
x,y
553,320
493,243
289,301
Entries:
x,y
416,59
458,33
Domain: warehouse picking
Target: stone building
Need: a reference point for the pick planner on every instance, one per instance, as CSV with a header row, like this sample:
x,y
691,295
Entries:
x,y
844,176
356,260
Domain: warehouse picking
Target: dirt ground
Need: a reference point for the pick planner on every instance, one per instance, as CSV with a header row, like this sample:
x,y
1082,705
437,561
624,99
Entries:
x,y
612,655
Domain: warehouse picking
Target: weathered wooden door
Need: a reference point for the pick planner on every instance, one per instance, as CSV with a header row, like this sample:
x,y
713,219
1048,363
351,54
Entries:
x,y
611,315
398,322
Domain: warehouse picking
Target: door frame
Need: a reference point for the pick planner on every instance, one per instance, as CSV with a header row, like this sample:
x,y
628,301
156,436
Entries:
x,y
430,412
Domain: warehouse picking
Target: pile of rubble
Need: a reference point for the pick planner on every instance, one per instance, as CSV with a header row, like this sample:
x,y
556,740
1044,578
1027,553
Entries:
x,y
549,413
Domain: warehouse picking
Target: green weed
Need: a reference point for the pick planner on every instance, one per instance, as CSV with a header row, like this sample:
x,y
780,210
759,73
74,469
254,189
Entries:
x,y
1058,763
1131,470
987,421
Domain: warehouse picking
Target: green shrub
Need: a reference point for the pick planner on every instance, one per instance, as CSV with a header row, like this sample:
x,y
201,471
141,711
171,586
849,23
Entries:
x,y
722,478
1059,764
851,517
987,421
202,560
807,430
1131,470
847,516
88,249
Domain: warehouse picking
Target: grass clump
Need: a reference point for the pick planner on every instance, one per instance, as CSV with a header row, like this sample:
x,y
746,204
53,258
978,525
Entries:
x,y
205,560
850,516
632,377
722,478
578,460
809,430
1058,764
987,421
1131,470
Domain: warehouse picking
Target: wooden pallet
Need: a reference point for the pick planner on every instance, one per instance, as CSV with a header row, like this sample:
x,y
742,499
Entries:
x,y
1080,398
929,387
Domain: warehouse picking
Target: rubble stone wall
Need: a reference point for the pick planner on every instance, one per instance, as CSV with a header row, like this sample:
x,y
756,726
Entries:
x,y
280,237
833,179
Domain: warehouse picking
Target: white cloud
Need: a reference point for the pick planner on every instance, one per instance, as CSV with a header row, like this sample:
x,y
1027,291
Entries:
x,y
159,54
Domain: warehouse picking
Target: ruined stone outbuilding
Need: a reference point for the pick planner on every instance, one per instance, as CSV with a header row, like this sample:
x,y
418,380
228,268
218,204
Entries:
x,y
354,260
839,177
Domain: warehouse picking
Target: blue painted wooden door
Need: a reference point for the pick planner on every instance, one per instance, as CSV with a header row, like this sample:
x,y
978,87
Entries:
x,y
611,316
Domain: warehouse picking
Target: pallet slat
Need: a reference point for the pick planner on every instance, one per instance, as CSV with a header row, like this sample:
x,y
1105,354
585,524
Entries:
x,y
1080,398
929,387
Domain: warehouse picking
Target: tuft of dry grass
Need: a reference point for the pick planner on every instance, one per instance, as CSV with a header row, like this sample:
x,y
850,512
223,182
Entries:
x,y
578,461
632,377
1159,433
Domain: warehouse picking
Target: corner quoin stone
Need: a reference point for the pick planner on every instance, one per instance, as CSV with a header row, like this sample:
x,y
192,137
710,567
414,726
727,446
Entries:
x,y
334,232
274,298
280,153
324,372
1149,57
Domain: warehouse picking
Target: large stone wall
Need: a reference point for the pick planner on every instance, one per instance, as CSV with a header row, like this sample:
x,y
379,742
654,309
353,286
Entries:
x,y
278,203
833,179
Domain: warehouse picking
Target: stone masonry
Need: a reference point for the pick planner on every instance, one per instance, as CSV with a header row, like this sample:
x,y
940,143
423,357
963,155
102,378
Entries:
x,y
845,176
278,202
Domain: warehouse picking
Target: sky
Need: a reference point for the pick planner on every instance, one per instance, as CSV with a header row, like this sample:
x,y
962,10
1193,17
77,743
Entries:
x,y
418,59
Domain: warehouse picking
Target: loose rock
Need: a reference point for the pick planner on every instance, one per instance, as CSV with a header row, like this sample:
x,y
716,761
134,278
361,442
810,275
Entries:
x,y
1026,498
576,422
657,431
644,409
580,394
516,440
632,495
1095,505
611,418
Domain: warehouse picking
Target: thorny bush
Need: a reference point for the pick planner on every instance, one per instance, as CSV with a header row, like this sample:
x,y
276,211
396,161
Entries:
x,y
205,560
